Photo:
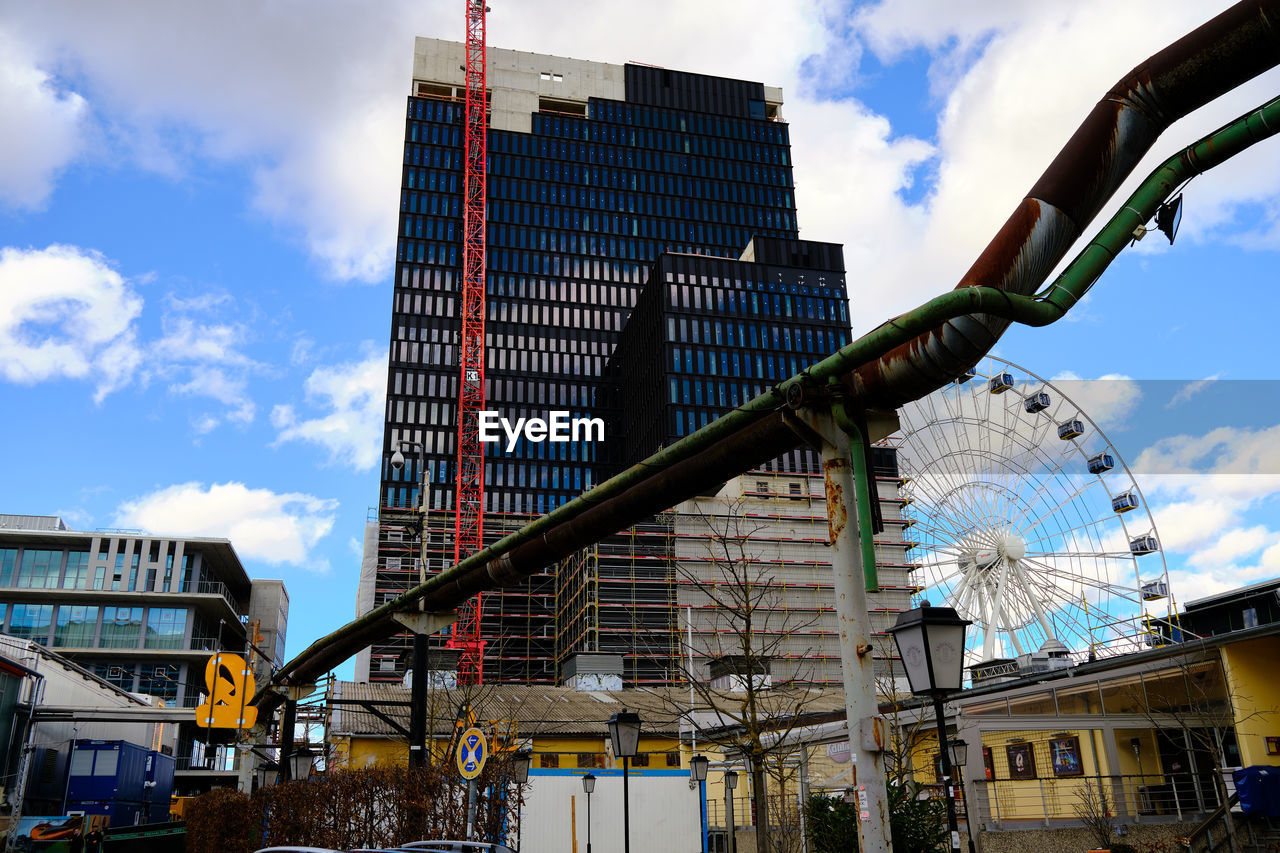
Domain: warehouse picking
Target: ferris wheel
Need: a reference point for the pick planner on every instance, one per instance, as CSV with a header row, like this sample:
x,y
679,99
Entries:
x,y
1022,516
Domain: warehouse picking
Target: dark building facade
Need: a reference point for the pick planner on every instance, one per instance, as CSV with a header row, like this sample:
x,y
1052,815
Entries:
x,y
597,175
708,334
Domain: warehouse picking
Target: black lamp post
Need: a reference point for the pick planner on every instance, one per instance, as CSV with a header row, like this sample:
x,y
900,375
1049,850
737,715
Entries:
x,y
730,782
624,730
959,758
930,643
520,763
418,689
589,785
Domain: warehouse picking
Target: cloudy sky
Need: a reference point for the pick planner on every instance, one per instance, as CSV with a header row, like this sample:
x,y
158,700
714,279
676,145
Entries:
x,y
197,216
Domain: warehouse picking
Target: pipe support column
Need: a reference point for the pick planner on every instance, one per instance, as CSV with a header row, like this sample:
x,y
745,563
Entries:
x,y
850,530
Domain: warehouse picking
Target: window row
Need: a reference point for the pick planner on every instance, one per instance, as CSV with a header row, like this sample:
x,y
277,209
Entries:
x,y
507,499
549,204
34,568
93,627
432,156
638,170
586,232
753,365
749,339
716,393
775,305
620,112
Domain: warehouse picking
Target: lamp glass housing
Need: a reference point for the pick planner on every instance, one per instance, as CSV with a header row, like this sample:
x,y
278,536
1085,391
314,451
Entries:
x,y
588,783
624,730
731,779
300,763
698,767
520,764
930,642
267,773
959,751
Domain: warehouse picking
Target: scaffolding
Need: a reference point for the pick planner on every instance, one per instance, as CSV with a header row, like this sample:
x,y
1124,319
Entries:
x,y
629,594
517,622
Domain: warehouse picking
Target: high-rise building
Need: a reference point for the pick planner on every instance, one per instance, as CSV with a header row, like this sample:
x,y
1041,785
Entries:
x,y
619,198
594,171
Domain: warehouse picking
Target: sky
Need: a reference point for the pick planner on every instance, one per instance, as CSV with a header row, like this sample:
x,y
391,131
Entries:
x,y
198,211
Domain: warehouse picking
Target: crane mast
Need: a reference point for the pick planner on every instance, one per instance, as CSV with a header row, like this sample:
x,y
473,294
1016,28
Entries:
x,y
469,515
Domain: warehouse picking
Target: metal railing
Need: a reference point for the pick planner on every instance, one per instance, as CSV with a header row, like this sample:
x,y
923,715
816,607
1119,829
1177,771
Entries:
x,y
218,588
1151,798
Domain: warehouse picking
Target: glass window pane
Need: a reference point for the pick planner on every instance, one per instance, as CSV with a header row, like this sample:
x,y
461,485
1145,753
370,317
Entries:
x,y
76,626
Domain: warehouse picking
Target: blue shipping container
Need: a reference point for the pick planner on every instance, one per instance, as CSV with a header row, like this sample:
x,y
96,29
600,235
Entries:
x,y
118,813
107,770
158,781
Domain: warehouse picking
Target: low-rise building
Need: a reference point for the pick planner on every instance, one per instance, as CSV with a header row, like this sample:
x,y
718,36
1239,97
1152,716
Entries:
x,y
143,613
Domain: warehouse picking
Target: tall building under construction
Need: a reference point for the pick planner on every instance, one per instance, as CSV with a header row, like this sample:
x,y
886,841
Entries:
x,y
612,190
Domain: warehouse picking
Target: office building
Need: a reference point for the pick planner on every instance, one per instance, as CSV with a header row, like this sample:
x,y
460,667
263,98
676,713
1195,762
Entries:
x,y
143,613
611,189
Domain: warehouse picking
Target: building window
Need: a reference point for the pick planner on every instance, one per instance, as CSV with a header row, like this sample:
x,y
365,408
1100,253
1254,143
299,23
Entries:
x,y
77,626
39,569
31,621
673,759
8,559
121,627
640,760
76,575
549,759
166,628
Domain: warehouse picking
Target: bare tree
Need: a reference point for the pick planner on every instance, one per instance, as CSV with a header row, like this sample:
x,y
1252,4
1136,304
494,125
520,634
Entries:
x,y
750,707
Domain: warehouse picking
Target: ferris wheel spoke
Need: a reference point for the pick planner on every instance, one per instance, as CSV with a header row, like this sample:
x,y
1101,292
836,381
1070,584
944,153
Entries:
x,y
1079,527
1060,505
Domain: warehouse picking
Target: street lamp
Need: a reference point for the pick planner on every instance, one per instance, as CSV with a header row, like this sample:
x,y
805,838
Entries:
x,y
589,785
959,758
267,772
730,782
930,643
521,761
624,731
698,772
300,763
418,689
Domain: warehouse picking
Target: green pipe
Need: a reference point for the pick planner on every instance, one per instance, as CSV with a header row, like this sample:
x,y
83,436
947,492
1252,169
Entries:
x,y
863,484
1049,305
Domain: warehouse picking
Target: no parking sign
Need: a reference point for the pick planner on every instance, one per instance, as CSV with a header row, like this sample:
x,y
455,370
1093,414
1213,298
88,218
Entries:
x,y
473,752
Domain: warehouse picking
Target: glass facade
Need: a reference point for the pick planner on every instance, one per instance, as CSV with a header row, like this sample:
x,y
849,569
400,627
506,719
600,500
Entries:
x,y
580,209
100,621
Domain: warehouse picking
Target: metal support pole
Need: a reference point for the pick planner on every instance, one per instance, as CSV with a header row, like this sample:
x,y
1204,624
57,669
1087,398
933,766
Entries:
x,y
418,704
943,753
729,821
588,822
840,440
471,810
288,719
702,816
626,806
968,822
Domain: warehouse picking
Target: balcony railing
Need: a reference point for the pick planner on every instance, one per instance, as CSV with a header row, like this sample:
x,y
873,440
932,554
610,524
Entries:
x,y
218,588
1131,799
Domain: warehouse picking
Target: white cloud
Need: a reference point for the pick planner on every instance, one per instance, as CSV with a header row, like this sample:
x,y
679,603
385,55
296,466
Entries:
x,y
1108,400
1186,392
65,313
276,528
353,396
42,125
207,381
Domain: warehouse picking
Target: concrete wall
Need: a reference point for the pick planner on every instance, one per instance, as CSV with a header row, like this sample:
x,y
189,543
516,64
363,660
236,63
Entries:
x,y
517,79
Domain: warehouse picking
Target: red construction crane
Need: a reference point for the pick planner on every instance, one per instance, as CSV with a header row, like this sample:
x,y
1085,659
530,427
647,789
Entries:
x,y
469,518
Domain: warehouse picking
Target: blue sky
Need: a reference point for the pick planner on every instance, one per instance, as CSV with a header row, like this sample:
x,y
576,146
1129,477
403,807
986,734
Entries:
x,y
197,214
